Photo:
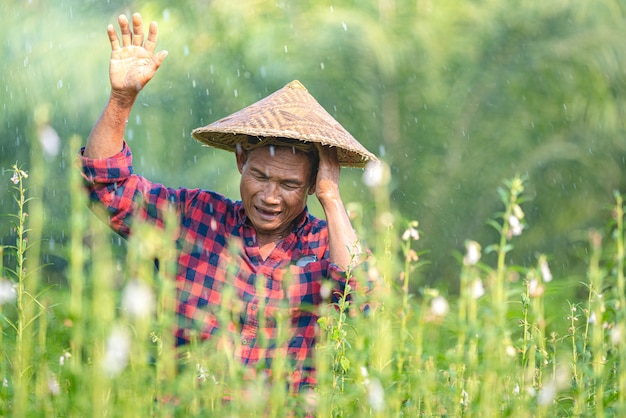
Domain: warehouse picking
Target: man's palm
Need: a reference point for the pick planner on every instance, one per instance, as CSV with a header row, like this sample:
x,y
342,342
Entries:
x,y
133,62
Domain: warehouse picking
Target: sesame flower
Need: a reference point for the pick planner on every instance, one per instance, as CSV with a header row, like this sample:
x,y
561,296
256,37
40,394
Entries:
x,y
376,395
411,232
66,356
7,292
546,394
18,175
516,225
546,274
464,401
53,386
412,256
472,254
439,306
325,290
616,334
477,289
117,351
535,289
375,174
137,299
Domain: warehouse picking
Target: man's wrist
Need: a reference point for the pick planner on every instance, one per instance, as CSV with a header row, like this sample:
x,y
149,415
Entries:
x,y
122,100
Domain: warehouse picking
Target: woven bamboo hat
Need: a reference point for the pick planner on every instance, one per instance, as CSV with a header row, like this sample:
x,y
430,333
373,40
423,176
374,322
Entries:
x,y
292,113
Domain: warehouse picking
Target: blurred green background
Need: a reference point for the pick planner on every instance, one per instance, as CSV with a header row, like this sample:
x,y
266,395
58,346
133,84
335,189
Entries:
x,y
454,95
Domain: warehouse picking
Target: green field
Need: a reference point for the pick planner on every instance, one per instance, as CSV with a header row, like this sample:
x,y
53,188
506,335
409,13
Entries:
x,y
100,346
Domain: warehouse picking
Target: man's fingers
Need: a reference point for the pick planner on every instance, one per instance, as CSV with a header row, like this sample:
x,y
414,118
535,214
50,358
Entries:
x,y
125,29
115,42
137,30
326,153
152,37
158,58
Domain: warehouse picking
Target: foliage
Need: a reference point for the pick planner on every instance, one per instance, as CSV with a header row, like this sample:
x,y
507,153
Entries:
x,y
103,346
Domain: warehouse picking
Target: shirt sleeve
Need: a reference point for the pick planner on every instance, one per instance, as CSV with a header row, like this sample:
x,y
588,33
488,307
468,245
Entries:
x,y
127,197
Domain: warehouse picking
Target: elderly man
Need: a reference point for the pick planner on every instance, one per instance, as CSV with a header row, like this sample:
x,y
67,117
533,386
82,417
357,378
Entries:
x,y
266,249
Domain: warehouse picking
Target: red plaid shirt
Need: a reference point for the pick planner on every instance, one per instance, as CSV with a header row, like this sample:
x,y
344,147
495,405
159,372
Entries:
x,y
220,267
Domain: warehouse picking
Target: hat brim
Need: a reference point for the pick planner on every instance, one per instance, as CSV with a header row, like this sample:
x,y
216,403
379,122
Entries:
x,y
290,112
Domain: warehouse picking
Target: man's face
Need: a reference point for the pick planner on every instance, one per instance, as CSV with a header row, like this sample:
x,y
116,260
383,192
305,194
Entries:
x,y
275,184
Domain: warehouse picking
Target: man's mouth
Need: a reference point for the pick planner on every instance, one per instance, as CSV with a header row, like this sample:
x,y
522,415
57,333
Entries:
x,y
267,213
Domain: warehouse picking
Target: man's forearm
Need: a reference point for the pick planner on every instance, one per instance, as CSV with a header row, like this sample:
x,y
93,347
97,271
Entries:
x,y
107,136
343,241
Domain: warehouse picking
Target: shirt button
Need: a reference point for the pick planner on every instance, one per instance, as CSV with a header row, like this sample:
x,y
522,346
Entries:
x,y
250,243
244,341
253,307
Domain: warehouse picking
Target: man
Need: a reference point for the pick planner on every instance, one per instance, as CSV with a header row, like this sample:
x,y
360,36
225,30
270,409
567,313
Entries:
x,y
267,250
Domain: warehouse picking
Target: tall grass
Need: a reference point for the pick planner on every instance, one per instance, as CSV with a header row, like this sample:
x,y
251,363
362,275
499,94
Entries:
x,y
102,345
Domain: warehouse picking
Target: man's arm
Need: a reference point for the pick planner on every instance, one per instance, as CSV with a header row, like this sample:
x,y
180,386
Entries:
x,y
132,65
342,239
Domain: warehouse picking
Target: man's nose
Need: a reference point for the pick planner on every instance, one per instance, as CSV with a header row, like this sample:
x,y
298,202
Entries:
x,y
271,194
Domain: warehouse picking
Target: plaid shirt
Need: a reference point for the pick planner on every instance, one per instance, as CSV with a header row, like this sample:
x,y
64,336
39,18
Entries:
x,y
221,270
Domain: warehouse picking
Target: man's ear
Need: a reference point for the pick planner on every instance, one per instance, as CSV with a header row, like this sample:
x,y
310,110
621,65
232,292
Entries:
x,y
241,156
313,183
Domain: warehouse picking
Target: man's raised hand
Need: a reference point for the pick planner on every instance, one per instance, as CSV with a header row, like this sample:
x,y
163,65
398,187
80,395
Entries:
x,y
133,62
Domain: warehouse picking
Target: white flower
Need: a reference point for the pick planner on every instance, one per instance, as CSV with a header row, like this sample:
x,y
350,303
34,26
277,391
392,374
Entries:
x,y
477,289
376,395
50,141
7,292
137,299
516,226
374,174
439,306
386,219
411,233
546,274
510,351
15,179
592,318
66,356
535,288
616,334
546,394
117,350
325,290
53,386
464,398
472,254
203,374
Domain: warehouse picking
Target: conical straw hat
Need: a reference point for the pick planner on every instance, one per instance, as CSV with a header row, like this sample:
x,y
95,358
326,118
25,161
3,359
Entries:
x,y
290,112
